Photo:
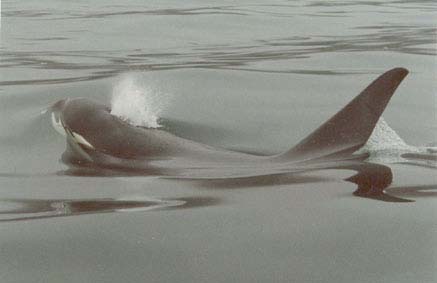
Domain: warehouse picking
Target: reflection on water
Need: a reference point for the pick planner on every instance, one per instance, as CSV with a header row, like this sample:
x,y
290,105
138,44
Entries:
x,y
421,159
373,181
414,191
29,209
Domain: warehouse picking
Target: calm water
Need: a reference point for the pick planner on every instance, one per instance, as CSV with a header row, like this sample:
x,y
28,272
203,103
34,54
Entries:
x,y
250,76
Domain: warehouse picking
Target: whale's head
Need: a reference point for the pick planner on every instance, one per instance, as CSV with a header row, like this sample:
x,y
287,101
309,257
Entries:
x,y
80,119
90,129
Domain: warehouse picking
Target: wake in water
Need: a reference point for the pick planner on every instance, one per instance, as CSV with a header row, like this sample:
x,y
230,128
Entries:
x,y
386,146
28,209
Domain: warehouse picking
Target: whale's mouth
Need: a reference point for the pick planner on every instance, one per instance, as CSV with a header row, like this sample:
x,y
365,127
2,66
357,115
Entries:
x,y
57,123
75,142
60,127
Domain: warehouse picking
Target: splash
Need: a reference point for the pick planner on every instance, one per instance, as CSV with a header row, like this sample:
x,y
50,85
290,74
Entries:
x,y
136,104
386,146
384,137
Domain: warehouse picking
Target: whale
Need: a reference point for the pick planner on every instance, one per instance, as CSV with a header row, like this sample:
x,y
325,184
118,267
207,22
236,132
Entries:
x,y
99,141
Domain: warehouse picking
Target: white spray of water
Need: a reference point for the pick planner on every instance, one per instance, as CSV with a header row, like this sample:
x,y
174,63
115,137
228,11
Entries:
x,y
136,104
384,137
385,145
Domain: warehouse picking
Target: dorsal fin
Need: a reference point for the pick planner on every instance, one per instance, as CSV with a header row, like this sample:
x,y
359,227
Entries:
x,y
351,127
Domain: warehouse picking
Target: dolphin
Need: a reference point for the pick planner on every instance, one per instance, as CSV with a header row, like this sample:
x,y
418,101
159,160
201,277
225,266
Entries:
x,y
96,139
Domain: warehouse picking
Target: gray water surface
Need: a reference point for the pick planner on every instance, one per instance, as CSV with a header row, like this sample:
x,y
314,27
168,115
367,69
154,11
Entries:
x,y
254,76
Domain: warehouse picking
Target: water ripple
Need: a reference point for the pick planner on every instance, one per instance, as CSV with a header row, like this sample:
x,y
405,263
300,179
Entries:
x,y
102,64
259,52
12,210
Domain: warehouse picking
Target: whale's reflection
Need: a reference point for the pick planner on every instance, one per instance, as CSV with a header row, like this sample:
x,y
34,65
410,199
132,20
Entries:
x,y
419,191
372,179
31,209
